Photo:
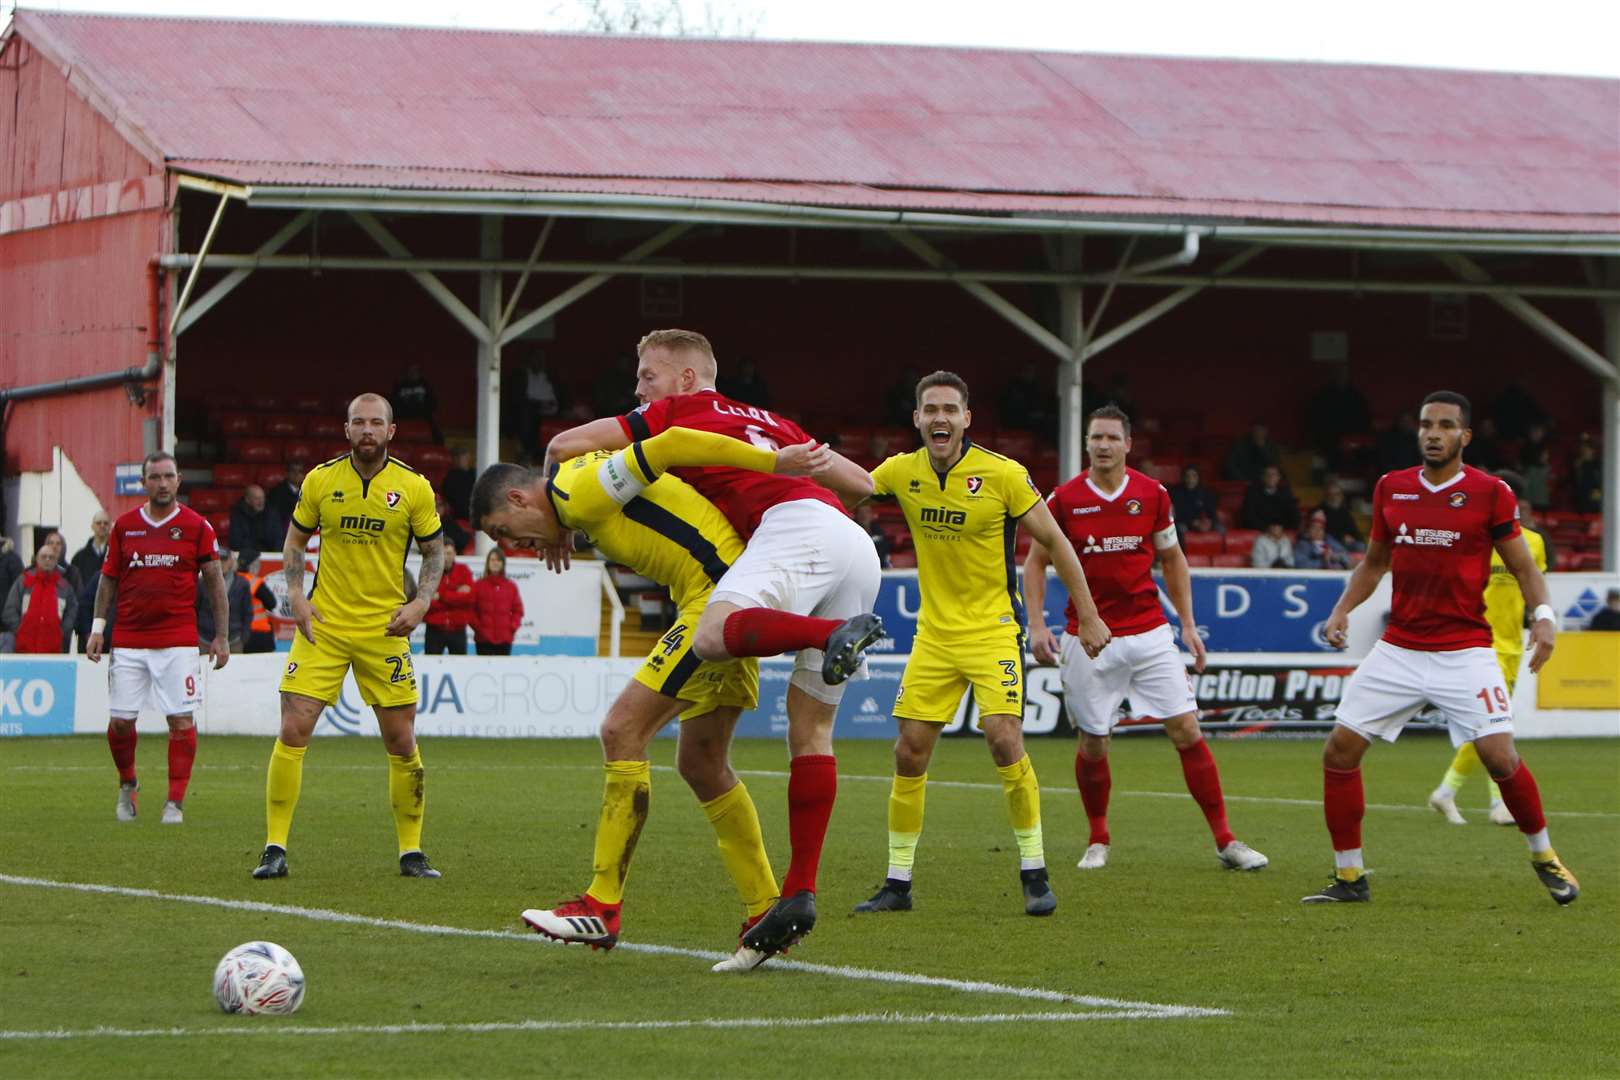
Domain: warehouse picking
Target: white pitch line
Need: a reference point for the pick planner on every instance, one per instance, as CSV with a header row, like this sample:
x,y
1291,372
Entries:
x,y
866,974
272,1027
778,774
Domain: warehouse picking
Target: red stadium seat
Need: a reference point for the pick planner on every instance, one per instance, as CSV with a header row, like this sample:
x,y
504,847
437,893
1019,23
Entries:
x,y
284,424
258,451
1228,560
309,451
234,476
1206,543
212,500
1200,560
1241,541
232,424
1165,472
1018,445
306,403
325,427
268,476
427,458
903,560
414,431
221,521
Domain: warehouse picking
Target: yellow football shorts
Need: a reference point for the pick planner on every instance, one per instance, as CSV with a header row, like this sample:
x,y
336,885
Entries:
x,y
382,667
1509,663
674,670
939,672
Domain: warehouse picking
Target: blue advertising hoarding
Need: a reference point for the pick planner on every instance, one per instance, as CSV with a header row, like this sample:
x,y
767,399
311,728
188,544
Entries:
x,y
37,696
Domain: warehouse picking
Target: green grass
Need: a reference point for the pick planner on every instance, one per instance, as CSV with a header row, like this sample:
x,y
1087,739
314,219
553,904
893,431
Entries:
x,y
1462,962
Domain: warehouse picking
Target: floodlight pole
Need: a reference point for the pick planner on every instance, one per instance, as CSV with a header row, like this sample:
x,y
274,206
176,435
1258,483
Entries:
x,y
489,357
1071,369
1611,430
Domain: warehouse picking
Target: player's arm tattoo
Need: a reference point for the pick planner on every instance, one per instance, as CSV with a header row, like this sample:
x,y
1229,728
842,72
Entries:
x,y
427,578
106,596
214,585
292,560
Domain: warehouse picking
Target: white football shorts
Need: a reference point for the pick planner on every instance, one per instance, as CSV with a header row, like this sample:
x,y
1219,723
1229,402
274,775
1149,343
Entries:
x,y
808,558
1393,683
1145,667
168,679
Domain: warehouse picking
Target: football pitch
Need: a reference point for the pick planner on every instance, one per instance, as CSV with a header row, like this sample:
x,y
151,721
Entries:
x,y
1162,964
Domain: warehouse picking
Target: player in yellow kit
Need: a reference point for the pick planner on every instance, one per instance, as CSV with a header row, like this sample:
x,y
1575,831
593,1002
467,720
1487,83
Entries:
x,y
964,505
660,527
1504,610
368,508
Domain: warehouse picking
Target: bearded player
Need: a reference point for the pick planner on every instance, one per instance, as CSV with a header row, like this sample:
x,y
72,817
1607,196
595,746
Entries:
x,y
1118,519
806,583
149,576
1435,525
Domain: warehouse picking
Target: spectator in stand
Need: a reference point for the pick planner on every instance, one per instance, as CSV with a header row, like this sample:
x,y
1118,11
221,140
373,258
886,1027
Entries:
x,y
540,398
239,603
615,394
1192,500
11,568
1608,616
866,518
458,482
1586,476
87,561
1341,523
55,539
1316,550
1267,500
1398,447
497,608
413,399
284,496
1250,455
1485,448
1535,465
455,537
451,612
39,611
747,386
261,635
1026,403
1203,523
1337,410
254,525
1272,549
1515,411
900,401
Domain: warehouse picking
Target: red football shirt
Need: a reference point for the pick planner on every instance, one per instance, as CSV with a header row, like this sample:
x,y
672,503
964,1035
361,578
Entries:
x,y
1440,541
1113,533
155,564
742,495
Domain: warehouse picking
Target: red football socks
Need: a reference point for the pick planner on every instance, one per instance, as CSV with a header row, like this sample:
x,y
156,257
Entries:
x,y
1095,782
812,787
1523,798
1204,781
182,752
1343,804
764,632
123,753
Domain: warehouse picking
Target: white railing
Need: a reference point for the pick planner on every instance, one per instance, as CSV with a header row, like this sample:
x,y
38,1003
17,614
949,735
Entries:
x,y
616,621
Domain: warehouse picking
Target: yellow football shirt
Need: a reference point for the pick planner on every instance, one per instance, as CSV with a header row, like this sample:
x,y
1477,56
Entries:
x,y
366,529
1504,602
963,523
668,532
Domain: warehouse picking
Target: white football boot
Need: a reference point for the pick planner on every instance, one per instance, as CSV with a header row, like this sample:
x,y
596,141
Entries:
x,y
172,815
1095,858
1240,856
1444,803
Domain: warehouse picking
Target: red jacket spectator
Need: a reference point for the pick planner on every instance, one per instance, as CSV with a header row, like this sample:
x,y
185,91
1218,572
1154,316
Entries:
x,y
452,607
497,608
40,604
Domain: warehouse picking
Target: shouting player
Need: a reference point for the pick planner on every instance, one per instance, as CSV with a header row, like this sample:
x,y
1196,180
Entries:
x,y
662,529
368,506
964,504
1435,525
1118,519
805,583
149,577
1504,610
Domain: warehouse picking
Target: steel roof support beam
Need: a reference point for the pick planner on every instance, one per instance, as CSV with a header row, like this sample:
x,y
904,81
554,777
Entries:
x,y
1157,311
523,278
1355,285
1534,318
435,288
196,267
489,352
228,284
590,284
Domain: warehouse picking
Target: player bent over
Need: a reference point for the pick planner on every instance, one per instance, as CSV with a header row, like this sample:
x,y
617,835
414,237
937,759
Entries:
x,y
662,529
1504,610
1117,518
962,504
154,554
367,506
806,583
1435,525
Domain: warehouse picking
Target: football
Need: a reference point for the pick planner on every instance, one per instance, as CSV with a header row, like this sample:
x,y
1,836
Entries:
x,y
259,977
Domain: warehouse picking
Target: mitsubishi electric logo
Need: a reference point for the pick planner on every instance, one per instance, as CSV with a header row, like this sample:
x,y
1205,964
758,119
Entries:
x,y
1427,537
1110,545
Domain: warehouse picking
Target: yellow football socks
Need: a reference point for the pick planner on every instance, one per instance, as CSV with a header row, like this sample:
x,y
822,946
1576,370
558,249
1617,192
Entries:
x,y
1023,796
1464,765
407,797
626,791
281,787
906,795
742,848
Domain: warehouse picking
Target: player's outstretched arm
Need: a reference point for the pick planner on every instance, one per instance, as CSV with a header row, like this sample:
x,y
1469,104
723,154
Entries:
x,y
1178,583
303,610
844,478
1043,527
219,650
1543,619
1041,639
410,614
604,434
1363,580
106,598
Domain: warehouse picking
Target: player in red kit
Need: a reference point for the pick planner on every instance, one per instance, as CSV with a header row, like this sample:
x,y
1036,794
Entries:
x,y
805,583
1435,527
1117,519
150,572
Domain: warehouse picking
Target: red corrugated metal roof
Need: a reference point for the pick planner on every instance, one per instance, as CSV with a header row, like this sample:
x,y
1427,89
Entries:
x,y
856,125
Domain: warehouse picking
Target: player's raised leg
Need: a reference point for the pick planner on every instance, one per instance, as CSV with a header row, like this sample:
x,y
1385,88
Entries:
x,y
728,631
1523,799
